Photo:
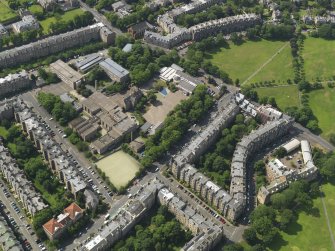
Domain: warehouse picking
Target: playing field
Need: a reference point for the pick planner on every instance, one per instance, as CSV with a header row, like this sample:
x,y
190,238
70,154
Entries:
x,y
310,233
285,95
69,15
322,103
6,13
119,167
256,57
319,60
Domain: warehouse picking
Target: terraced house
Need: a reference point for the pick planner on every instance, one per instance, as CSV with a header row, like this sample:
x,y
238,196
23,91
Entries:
x,y
32,200
231,204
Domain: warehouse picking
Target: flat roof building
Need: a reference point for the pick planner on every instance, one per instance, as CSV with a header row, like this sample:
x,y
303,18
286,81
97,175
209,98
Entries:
x,y
66,74
88,62
292,145
115,71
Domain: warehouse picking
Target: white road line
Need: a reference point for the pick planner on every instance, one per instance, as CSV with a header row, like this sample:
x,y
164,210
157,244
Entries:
x,y
328,222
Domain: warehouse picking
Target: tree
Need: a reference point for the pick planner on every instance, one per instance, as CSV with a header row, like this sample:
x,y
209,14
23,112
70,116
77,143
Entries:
x,y
233,247
152,96
279,201
250,236
13,132
263,211
280,152
328,168
286,216
259,166
332,138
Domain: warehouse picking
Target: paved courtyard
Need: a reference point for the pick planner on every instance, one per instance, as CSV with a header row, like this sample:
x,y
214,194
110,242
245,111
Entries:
x,y
158,112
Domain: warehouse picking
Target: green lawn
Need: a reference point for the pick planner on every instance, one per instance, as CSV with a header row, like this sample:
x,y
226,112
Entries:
x,y
285,95
310,232
322,103
3,132
36,9
6,13
241,61
319,60
69,15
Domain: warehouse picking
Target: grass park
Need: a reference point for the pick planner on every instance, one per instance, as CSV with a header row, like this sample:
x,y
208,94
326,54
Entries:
x,y
67,16
319,60
310,232
6,13
119,167
322,103
285,95
260,58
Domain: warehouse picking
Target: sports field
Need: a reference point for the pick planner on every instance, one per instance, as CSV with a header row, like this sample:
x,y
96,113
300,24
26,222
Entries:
x,y
322,103
285,95
256,57
319,60
119,167
6,13
310,233
69,15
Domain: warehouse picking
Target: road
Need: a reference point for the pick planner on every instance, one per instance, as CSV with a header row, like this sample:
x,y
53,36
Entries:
x,y
119,202
16,216
314,139
30,98
101,18
232,233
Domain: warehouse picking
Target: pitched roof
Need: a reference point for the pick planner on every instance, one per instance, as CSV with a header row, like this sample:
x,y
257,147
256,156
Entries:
x,y
73,210
52,226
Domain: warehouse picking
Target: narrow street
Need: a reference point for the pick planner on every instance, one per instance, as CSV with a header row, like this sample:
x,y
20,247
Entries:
x,y
21,222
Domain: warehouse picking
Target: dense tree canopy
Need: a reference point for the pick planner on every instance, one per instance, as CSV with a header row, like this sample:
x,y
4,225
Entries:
x,y
176,124
62,112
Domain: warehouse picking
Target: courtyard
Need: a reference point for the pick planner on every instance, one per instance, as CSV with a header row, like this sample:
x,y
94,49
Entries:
x,y
119,167
164,104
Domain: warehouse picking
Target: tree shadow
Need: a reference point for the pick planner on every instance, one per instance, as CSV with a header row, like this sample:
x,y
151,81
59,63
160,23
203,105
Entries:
x,y
278,243
314,212
293,228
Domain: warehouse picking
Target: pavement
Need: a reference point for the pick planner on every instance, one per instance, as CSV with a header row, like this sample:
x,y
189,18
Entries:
x,y
231,232
100,17
117,203
27,234
304,133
